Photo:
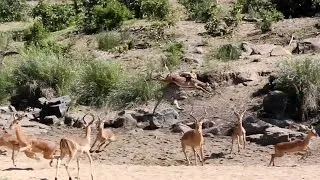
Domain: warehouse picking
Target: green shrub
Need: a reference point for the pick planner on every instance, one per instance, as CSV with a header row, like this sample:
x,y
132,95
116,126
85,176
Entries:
x,y
133,90
35,34
175,54
98,79
269,16
45,69
199,10
5,40
156,9
112,39
151,9
104,15
300,80
228,52
13,10
6,84
54,17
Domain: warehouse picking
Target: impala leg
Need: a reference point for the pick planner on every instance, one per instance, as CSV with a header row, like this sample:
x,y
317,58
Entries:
x,y
95,141
202,156
232,140
238,139
185,154
90,160
194,152
244,141
78,164
12,157
157,104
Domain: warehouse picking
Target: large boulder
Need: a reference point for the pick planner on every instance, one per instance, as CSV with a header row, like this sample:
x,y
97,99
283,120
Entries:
x,y
180,128
253,125
164,119
56,106
124,120
274,135
275,103
310,45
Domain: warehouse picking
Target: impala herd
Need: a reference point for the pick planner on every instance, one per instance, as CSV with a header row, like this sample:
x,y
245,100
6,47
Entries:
x,y
71,146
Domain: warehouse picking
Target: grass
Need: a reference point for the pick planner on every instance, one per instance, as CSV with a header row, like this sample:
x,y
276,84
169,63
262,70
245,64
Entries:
x,y
134,90
98,79
112,39
45,68
175,53
300,79
228,52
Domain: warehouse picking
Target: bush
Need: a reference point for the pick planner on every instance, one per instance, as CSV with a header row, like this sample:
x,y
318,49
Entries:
x,y
156,9
134,90
199,10
45,69
223,23
151,9
99,78
110,40
12,10
55,17
228,52
104,15
269,16
175,53
300,80
35,34
5,40
6,84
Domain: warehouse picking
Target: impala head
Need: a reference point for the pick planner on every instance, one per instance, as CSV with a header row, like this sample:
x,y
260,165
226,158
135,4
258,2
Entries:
x,y
312,132
101,121
240,115
16,119
85,123
198,122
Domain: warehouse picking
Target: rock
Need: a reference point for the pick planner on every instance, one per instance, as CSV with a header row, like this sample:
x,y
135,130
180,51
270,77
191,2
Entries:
x,y
78,124
199,50
280,51
205,125
253,125
275,103
274,135
279,123
165,119
49,120
263,49
212,130
180,128
69,120
243,77
292,48
254,137
7,109
310,45
126,121
57,106
191,60
245,46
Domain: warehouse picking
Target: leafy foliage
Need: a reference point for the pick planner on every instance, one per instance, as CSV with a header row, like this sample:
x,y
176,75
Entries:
x,y
300,79
54,17
12,10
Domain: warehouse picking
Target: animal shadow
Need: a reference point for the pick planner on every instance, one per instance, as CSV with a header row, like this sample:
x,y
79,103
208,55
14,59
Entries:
x,y
18,169
215,156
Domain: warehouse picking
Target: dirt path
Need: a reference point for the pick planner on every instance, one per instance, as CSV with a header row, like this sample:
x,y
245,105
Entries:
x,y
42,171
